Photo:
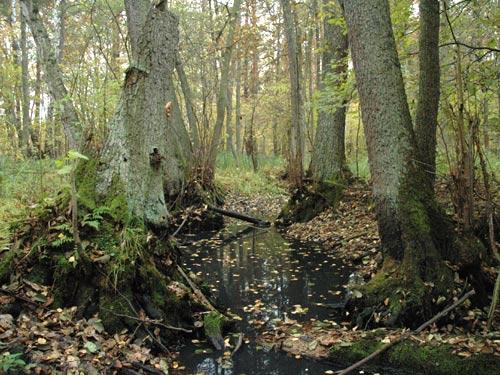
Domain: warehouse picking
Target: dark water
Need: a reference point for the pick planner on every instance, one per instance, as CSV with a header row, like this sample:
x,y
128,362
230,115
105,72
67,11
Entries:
x,y
261,277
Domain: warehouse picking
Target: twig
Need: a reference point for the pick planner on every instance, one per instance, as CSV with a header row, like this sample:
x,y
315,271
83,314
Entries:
x,y
21,298
457,43
180,226
151,321
149,369
407,334
238,344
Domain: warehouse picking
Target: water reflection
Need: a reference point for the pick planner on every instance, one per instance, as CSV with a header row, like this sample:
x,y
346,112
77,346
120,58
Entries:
x,y
261,277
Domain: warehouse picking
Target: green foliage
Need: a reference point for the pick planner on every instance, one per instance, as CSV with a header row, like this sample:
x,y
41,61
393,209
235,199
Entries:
x,y
11,363
132,241
213,323
239,176
94,218
65,235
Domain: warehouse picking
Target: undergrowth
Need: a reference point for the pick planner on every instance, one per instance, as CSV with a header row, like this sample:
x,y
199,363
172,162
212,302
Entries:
x,y
238,175
24,186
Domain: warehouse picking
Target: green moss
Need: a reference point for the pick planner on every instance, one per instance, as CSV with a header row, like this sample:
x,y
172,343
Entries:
x,y
6,265
213,323
438,360
112,307
86,173
116,202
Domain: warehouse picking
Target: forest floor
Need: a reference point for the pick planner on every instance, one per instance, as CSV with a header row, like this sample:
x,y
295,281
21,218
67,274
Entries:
x,y
350,230
57,341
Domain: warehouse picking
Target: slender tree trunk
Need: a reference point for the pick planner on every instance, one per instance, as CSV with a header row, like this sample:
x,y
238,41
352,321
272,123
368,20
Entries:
x,y
188,101
53,74
42,130
223,86
238,107
25,142
229,121
14,99
328,159
429,87
296,141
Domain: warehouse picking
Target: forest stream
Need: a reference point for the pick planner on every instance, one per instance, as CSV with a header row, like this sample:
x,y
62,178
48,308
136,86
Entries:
x,y
262,277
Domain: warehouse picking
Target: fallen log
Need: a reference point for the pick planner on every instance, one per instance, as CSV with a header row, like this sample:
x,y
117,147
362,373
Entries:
x,y
407,334
236,215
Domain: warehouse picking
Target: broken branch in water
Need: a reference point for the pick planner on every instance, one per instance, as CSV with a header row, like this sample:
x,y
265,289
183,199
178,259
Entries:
x,y
204,300
407,334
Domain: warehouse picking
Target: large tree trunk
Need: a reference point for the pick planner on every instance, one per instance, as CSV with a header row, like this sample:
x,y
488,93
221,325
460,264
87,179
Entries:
x,y
124,188
296,141
328,158
53,74
141,145
415,236
428,93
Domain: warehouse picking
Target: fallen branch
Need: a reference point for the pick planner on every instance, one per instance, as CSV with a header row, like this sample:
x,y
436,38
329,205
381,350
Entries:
x,y
204,300
236,215
407,334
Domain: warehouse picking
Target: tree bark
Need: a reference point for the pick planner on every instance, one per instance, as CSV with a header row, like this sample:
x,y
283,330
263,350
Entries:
x,y
223,86
429,87
296,152
328,158
238,107
141,145
415,235
229,121
53,74
26,144
188,102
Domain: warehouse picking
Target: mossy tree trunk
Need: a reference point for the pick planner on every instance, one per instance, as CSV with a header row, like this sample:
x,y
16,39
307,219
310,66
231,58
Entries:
x,y
416,237
146,141
120,269
328,159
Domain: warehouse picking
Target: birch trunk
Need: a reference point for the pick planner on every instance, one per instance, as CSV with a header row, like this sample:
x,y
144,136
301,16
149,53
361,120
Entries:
x,y
53,74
